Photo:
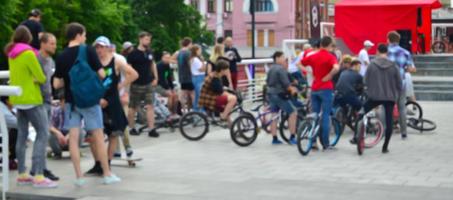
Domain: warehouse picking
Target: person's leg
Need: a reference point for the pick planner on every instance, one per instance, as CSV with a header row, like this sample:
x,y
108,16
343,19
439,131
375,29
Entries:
x,y
39,121
402,111
388,105
197,83
101,150
12,143
113,142
55,145
74,134
327,101
150,116
234,79
22,136
232,100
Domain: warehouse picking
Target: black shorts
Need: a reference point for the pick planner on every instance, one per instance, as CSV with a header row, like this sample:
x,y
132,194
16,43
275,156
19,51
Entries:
x,y
187,86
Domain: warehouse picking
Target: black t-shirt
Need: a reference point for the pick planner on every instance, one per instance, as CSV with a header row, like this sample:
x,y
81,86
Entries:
x,y
141,61
35,28
66,60
233,55
165,74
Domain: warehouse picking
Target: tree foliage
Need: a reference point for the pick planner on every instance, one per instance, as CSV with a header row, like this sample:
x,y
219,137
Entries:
x,y
120,20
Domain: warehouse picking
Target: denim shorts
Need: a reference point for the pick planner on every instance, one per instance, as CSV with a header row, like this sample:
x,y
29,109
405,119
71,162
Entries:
x,y
285,105
91,116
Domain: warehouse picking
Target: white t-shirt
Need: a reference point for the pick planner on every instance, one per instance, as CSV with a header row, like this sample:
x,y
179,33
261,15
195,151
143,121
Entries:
x,y
195,67
120,57
292,67
363,57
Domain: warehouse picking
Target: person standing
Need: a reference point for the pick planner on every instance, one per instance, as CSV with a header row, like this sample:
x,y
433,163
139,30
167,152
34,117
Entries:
x,y
364,58
198,69
384,86
26,73
142,89
324,66
91,112
33,23
184,72
403,60
232,53
279,92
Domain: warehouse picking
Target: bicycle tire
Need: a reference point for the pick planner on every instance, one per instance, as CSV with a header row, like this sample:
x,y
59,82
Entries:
x,y
359,134
188,121
238,136
377,124
414,106
304,132
340,116
284,127
420,124
336,128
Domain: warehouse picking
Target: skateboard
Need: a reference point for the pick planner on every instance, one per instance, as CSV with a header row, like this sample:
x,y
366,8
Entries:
x,y
131,162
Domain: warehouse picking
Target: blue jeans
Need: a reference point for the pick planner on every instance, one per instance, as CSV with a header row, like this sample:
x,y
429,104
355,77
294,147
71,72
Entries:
x,y
92,117
323,100
37,116
198,84
351,100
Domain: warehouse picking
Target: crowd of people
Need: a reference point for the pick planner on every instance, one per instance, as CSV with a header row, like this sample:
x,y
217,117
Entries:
x,y
91,90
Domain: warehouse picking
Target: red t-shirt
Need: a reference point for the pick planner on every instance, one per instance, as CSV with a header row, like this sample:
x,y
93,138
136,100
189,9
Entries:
x,y
322,63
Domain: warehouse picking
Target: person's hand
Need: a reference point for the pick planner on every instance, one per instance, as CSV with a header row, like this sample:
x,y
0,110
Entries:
x,y
411,69
104,103
326,78
61,139
292,90
154,83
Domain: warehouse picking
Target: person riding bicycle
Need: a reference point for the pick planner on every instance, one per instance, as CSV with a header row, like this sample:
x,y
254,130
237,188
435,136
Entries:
x,y
213,96
279,91
349,87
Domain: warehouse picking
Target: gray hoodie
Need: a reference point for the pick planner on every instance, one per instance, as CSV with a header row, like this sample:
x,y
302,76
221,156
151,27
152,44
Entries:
x,y
383,80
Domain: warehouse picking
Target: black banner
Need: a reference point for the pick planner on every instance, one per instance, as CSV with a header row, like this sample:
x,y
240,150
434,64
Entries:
x,y
315,19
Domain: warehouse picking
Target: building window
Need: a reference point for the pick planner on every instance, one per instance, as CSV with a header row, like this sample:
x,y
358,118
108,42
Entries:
x,y
264,6
194,3
228,6
264,38
249,38
228,33
271,38
211,6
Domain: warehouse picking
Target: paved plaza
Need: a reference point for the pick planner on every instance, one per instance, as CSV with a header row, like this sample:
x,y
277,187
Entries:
x,y
215,168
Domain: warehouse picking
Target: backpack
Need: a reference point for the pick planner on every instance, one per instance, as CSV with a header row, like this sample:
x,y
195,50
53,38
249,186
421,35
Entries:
x,y
86,87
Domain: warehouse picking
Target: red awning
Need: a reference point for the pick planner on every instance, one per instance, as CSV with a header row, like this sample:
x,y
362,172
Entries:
x,y
433,3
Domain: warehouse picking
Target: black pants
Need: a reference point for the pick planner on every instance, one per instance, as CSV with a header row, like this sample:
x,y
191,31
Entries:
x,y
388,106
12,136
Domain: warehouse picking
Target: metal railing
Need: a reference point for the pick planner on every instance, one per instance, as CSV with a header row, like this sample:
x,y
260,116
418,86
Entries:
x,y
255,71
6,91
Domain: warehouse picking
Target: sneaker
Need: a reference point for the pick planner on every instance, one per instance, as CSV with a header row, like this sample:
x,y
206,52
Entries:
x,y
48,174
404,136
80,182
46,183
353,141
293,141
24,181
117,155
385,151
95,171
153,133
133,131
108,180
129,152
276,142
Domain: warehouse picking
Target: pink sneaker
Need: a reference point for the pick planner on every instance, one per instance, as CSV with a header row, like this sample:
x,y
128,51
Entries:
x,y
46,183
24,181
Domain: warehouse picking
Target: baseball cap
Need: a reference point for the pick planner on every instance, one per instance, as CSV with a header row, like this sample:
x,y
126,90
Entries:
x,y
127,45
103,41
368,43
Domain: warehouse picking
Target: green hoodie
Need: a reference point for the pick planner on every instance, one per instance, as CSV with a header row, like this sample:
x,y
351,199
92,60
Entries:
x,y
26,72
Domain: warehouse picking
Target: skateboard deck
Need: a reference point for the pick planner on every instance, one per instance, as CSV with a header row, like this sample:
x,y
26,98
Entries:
x,y
131,162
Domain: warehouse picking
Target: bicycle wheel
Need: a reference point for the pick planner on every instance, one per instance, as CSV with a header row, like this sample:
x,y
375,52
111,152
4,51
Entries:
x,y
304,136
340,116
284,127
194,126
373,132
244,130
414,110
359,134
335,132
421,124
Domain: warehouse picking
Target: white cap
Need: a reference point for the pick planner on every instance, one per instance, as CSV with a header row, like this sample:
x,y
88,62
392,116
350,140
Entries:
x,y
368,43
127,45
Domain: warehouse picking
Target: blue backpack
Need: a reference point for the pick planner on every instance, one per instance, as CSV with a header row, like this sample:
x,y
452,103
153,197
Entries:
x,y
86,87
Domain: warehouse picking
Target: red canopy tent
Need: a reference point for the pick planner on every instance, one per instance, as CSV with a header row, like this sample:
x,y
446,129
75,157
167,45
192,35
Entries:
x,y
360,20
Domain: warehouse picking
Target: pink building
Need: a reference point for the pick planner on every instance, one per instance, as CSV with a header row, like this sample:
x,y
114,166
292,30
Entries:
x,y
275,21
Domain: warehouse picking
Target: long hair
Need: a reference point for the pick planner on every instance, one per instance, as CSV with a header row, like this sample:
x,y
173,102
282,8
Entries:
x,y
20,35
218,52
194,51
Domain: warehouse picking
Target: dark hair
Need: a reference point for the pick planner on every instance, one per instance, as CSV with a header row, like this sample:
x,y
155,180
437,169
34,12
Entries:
x,y
35,13
73,29
355,62
144,34
221,64
46,37
382,48
276,55
220,40
20,35
186,41
326,41
315,43
393,37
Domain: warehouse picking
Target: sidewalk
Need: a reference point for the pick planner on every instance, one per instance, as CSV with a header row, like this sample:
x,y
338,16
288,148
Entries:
x,y
215,168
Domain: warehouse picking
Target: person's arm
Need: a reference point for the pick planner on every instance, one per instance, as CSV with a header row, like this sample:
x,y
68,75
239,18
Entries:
x,y
58,81
410,63
238,57
95,63
59,135
332,72
154,71
130,75
174,58
399,81
35,68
